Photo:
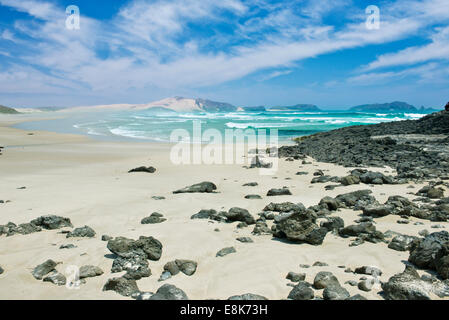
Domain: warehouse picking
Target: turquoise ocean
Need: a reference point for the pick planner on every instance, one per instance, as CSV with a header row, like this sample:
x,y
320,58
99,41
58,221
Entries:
x,y
147,125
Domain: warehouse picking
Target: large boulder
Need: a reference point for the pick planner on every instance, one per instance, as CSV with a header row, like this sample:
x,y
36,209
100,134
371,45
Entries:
x,y
428,250
407,286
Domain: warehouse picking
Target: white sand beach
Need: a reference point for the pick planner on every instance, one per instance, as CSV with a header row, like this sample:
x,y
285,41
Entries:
x,y
87,181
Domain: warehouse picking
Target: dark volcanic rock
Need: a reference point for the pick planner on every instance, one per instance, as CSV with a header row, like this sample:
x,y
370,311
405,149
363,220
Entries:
x,y
360,146
329,203
285,207
143,169
210,214
360,198
335,292
261,228
245,240
149,247
154,218
325,279
402,242
279,192
56,278
203,187
169,292
225,251
377,211
1,270
295,277
333,223
43,269
301,291
90,272
136,267
428,250
253,196
125,287
239,214
407,286
52,222
247,297
368,270
300,227
83,232
188,267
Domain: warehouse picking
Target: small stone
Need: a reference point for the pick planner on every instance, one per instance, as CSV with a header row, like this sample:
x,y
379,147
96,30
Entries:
x,y
245,239
225,251
301,291
124,287
366,285
43,269
165,276
295,277
169,292
325,279
83,232
56,278
67,246
90,272
106,237
320,264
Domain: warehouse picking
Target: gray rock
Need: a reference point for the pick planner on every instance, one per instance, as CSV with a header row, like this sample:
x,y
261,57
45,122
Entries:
x,y
352,283
357,297
366,285
43,269
172,267
1,270
368,270
210,214
203,187
402,242
251,184
169,292
320,264
106,237
329,203
301,291
165,276
377,211
247,297
52,222
136,267
83,232
349,180
124,287
150,247
335,292
67,246
261,228
406,286
143,169
90,272
225,251
239,214
154,218
295,277
245,240
188,267
325,279
427,251
279,192
253,197
56,278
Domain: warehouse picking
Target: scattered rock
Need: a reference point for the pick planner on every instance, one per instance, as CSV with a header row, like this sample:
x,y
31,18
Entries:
x,y
225,251
301,291
154,218
247,297
366,285
67,246
150,247
52,222
245,240
188,267
210,214
165,276
261,228
320,264
325,279
56,278
157,198
124,287
90,272
43,269
402,243
143,169
239,214
253,197
106,237
335,292
251,184
369,270
169,292
203,187
83,232
279,192
295,277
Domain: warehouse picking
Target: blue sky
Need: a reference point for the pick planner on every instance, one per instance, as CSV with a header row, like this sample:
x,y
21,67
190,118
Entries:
x,y
254,52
